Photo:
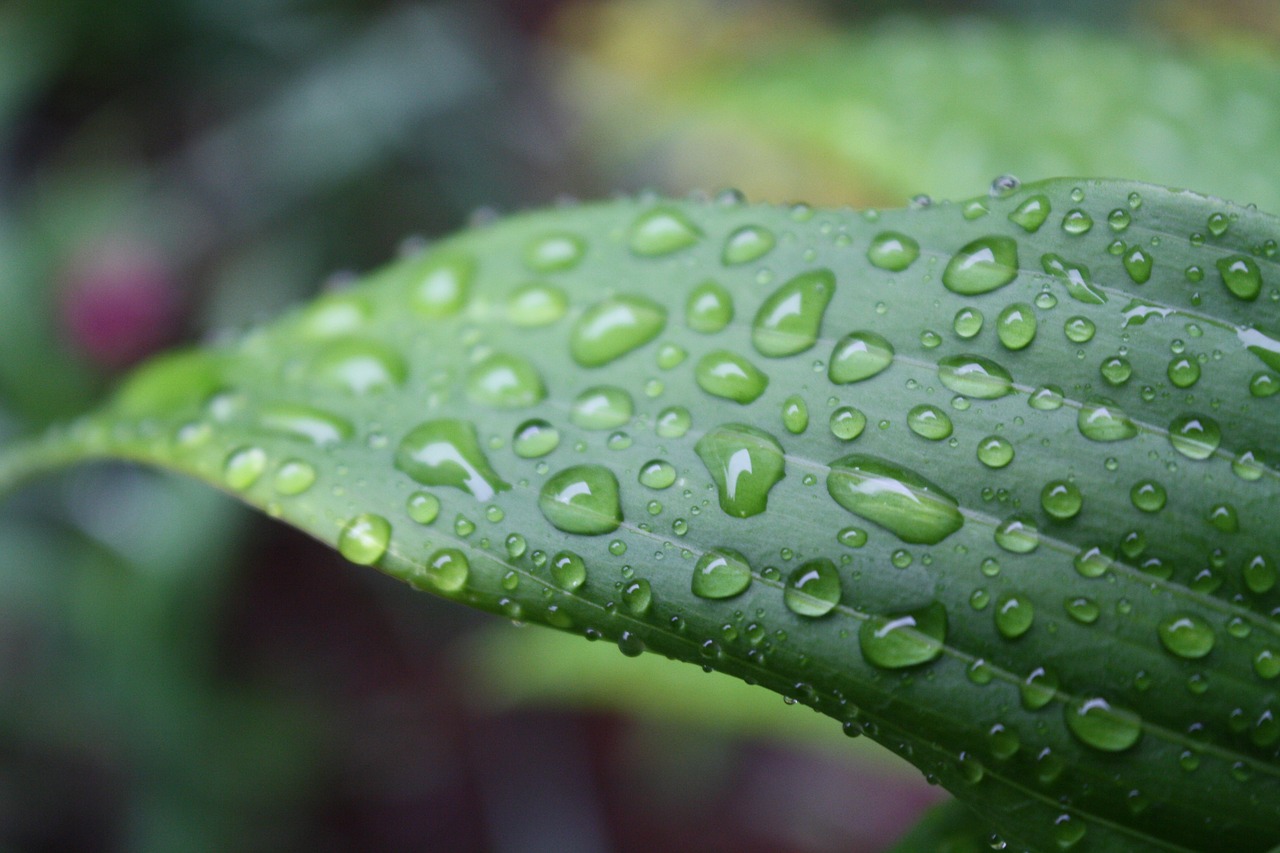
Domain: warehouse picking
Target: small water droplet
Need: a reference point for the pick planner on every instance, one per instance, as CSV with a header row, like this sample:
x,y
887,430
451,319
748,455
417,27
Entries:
x,y
294,477
423,507
1186,636
1018,534
995,451
1076,221
243,467
1016,326
1102,726
365,539
568,570
795,414
1075,277
555,252
440,283
638,597
1032,213
1241,276
1038,689
673,422
1061,499
536,304
709,308
535,438
1014,615
967,323
929,422
359,367
505,381
657,474
306,423
1138,263
847,423
1102,420
446,571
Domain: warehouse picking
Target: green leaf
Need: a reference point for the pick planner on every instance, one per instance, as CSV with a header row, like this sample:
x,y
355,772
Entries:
x,y
989,500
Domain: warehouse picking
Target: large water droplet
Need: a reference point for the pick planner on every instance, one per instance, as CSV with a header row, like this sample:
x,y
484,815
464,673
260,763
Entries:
x,y
1183,371
1186,636
614,327
447,453
359,367
306,423
709,308
982,266
1102,726
1075,277
662,231
813,589
505,381
975,376
898,499
745,464
1016,326
929,422
657,474
847,423
790,318
365,539
893,251
729,375
601,407
1195,436
446,571
582,499
568,570
903,640
1102,420
1241,276
1031,214
858,356
1038,689
721,573
1138,263
746,244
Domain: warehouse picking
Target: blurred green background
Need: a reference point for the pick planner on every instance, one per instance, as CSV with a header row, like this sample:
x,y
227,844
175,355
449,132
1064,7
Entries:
x,y
178,675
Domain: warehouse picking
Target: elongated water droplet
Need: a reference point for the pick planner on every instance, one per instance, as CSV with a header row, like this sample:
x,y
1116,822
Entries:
x,y
982,266
505,381
709,308
896,498
536,304
306,423
1032,213
1138,263
555,252
813,589
447,453
568,570
365,539
582,499
795,414
1195,436
243,467
294,477
614,327
893,251
745,464
1075,277
1186,636
638,597
662,231
1099,724
1241,276
440,283
601,407
746,244
359,367
903,640
535,438
721,573
975,376
334,315
1016,326
729,375
790,318
1102,420
858,356
929,422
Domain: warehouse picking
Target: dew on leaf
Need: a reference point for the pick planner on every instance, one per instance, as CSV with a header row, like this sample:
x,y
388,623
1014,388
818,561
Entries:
x,y
673,422
440,283
505,381
904,640
709,308
795,414
1195,436
365,539
745,463
721,573
1241,276
554,252
1101,420
662,231
535,438
995,451
294,477
447,452
536,304
601,407
790,318
896,498
967,323
657,474
359,367
243,468
975,376
746,244
446,571
1186,636
893,251
1018,534
568,570
1075,277
1016,326
294,420
423,507
1102,726
928,421
982,266
1031,213
730,376
614,327
1014,614
582,499
847,423
813,588
1061,499
858,356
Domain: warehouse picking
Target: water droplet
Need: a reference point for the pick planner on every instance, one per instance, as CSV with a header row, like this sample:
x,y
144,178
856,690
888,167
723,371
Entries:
x,y
721,573
1195,436
657,474
795,414
440,283
1138,264
614,327
982,266
975,376
1259,574
662,231
582,499
1263,384
858,356
505,381
929,422
1077,221
1061,499
601,407
813,589
1079,330
1241,276
1081,609
555,252
709,308
1046,398
1248,465
638,597
1038,689
365,539
1116,370
1014,614
1075,277
294,477
790,318
243,468
904,640
847,423
306,423
1186,636
725,374
1018,534
1223,517
995,451
1032,213
1184,371
536,304
746,244
671,356
967,323
1267,664
447,453
1102,420
898,499
1100,725
535,438
446,571
1119,219
673,422
745,464
1016,326
359,367
893,251
568,570
423,507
